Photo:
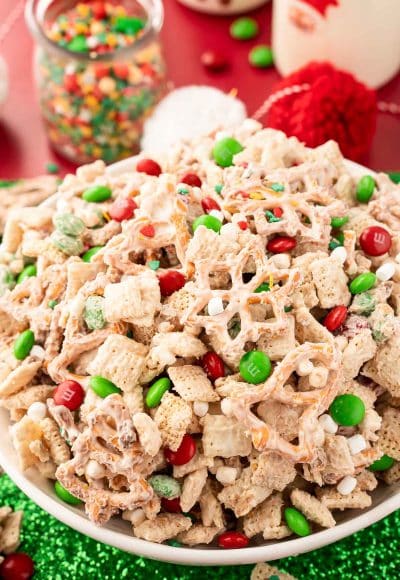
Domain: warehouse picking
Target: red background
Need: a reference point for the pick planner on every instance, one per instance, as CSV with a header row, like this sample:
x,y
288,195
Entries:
x,y
186,34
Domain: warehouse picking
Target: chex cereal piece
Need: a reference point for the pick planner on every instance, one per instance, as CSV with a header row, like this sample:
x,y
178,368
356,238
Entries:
x,y
149,435
389,434
312,508
277,532
198,461
191,383
339,461
23,433
10,532
277,345
4,513
163,527
19,403
19,377
211,509
268,514
193,485
392,475
334,500
366,481
59,450
173,416
330,294
383,368
272,470
265,572
198,534
243,495
224,437
360,349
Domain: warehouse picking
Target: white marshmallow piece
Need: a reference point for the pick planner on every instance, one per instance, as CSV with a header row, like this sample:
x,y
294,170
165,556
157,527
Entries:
x,y
356,444
200,408
37,351
328,424
347,485
217,214
229,230
226,475
304,368
226,407
339,253
215,306
386,271
94,470
37,411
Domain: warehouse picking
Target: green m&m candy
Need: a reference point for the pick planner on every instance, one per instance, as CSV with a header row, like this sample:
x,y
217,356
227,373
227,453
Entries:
x,y
27,272
297,522
261,56
23,344
338,222
255,367
362,283
103,387
209,221
97,193
382,464
87,256
52,304
365,189
263,287
347,410
244,28
224,151
156,391
64,494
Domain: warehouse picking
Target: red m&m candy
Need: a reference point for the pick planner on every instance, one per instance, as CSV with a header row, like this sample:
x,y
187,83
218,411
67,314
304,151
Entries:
x,y
213,60
173,506
148,166
148,231
122,209
213,365
281,244
243,225
278,212
18,566
185,452
232,540
375,241
208,204
335,318
171,281
191,179
70,394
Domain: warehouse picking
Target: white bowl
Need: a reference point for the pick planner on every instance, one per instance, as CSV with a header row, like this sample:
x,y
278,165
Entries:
x,y
118,533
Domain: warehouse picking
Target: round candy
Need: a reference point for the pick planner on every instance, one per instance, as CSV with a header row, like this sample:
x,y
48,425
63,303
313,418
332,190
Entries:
x,y
148,166
156,391
232,540
213,60
24,344
255,367
224,151
173,506
69,224
261,56
281,244
148,231
191,179
335,318
213,365
375,241
69,245
70,394
93,313
170,281
297,522
208,204
52,304
122,209
27,272
347,410
87,256
362,283
209,221
278,212
103,387
165,486
381,464
18,566
97,193
365,189
185,452
244,28
64,494
263,287
338,222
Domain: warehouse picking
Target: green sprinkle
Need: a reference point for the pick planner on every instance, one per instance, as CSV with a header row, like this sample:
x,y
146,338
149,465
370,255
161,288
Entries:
x,y
52,167
340,237
183,190
334,244
347,410
261,56
296,522
78,44
264,287
69,224
394,176
209,221
156,392
8,182
365,189
338,222
128,25
69,245
97,194
87,256
224,151
153,264
64,494
382,464
271,217
93,313
27,272
23,344
288,308
103,387
244,28
174,543
165,486
52,304
255,367
218,188
277,187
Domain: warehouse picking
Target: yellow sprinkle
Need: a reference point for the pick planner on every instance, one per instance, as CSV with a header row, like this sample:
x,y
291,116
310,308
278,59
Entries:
x,y
97,151
233,92
96,27
256,195
111,40
106,216
86,131
83,10
271,280
81,27
294,203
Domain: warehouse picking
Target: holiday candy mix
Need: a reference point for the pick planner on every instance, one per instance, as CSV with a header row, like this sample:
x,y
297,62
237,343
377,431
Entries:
x,y
207,344
95,108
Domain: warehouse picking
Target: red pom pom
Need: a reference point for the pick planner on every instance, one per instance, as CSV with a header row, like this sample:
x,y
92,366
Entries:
x,y
336,106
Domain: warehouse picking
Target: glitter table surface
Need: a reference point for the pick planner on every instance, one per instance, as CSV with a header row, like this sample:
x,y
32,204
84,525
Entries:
x,y
63,554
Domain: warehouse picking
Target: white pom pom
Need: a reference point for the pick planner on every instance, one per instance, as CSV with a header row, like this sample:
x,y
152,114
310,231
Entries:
x,y
3,80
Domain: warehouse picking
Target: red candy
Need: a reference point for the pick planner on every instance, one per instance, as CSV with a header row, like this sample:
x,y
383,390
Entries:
x,y
173,506
171,281
148,231
232,540
70,394
148,166
18,566
122,209
243,225
191,179
213,365
278,212
208,204
335,318
375,241
185,452
99,10
71,83
213,61
121,70
281,244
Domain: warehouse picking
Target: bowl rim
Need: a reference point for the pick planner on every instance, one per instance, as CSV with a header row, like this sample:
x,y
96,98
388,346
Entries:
x,y
76,519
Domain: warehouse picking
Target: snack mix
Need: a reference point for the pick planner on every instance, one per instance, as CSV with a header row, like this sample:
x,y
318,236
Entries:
x,y
207,344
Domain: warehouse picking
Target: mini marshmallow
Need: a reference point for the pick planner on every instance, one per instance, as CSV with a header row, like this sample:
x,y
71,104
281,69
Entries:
x,y
37,411
282,260
386,271
347,485
356,444
226,407
339,253
226,475
38,351
328,424
318,377
94,470
136,517
304,368
215,306
200,408
217,214
229,230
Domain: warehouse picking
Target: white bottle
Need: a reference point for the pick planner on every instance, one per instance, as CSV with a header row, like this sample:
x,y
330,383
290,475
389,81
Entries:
x,y
358,36
223,6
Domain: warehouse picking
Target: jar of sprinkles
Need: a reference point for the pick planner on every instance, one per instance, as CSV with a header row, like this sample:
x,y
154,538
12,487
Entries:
x,y
99,70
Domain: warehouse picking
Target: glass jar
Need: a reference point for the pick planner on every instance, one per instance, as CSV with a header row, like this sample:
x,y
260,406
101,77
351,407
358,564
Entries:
x,y
94,104
223,6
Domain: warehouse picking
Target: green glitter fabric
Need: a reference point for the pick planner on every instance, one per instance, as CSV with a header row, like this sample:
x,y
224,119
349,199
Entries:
x,y
63,554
